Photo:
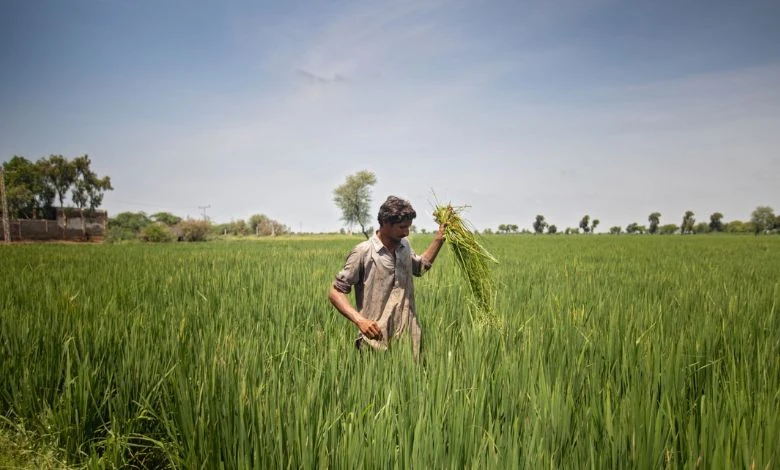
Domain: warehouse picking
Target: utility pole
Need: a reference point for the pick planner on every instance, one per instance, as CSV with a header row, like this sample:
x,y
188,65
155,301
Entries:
x,y
203,211
6,227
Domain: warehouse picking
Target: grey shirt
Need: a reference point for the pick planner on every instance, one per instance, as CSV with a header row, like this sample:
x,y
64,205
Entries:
x,y
384,291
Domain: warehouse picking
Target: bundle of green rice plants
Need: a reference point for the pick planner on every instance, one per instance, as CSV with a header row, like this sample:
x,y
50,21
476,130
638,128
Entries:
x,y
473,260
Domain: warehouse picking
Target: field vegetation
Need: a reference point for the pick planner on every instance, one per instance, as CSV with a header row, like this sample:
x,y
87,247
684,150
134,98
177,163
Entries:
x,y
614,352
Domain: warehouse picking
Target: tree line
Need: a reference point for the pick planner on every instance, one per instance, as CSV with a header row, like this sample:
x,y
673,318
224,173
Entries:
x,y
167,227
762,220
353,198
33,188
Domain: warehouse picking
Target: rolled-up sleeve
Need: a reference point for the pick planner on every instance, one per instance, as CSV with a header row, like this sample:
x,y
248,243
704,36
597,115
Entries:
x,y
420,265
350,274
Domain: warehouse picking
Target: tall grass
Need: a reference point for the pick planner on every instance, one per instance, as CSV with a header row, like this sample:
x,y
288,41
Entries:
x,y
616,352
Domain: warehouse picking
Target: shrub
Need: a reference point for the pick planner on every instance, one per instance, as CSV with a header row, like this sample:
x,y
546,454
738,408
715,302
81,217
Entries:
x,y
120,234
193,230
157,233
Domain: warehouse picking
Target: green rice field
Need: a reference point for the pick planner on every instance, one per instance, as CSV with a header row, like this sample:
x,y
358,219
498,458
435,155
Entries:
x,y
610,352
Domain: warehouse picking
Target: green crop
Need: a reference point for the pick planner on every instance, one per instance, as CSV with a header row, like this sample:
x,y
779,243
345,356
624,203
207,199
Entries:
x,y
615,352
473,260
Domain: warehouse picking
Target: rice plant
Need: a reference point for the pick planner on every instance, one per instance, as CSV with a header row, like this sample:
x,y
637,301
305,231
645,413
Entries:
x,y
473,260
616,352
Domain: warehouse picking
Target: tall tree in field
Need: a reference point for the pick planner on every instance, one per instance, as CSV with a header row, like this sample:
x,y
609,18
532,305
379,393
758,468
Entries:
x,y
763,218
716,222
539,224
354,199
595,223
687,223
655,220
585,224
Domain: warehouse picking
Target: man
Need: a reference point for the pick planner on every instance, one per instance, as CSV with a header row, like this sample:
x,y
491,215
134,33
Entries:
x,y
381,270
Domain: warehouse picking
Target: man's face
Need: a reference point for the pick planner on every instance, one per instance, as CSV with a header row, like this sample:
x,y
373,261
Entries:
x,y
397,231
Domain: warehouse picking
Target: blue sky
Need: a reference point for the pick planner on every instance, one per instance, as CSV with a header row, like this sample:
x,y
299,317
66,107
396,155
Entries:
x,y
614,109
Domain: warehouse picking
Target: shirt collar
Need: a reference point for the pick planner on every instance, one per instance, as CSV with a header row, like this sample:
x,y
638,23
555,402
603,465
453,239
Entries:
x,y
379,246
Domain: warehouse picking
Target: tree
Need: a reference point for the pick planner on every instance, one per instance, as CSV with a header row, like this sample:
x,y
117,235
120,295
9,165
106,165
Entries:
x,y
687,223
513,228
763,217
353,198
133,221
27,194
60,174
701,227
655,220
595,223
503,228
552,229
667,229
635,228
616,230
166,218
88,188
192,230
127,225
157,233
584,224
264,226
735,226
238,227
539,224
716,224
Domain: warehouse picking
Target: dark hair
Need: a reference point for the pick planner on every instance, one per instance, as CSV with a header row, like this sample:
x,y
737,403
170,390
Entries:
x,y
395,210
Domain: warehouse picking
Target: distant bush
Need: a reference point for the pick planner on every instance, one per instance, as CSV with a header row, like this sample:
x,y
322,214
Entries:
x,y
132,221
120,234
157,233
193,230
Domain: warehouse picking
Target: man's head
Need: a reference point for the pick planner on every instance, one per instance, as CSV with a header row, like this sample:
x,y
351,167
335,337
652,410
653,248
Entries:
x,y
395,218
395,210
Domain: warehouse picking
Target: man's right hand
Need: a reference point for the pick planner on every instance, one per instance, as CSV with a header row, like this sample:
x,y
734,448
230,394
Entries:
x,y
370,329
